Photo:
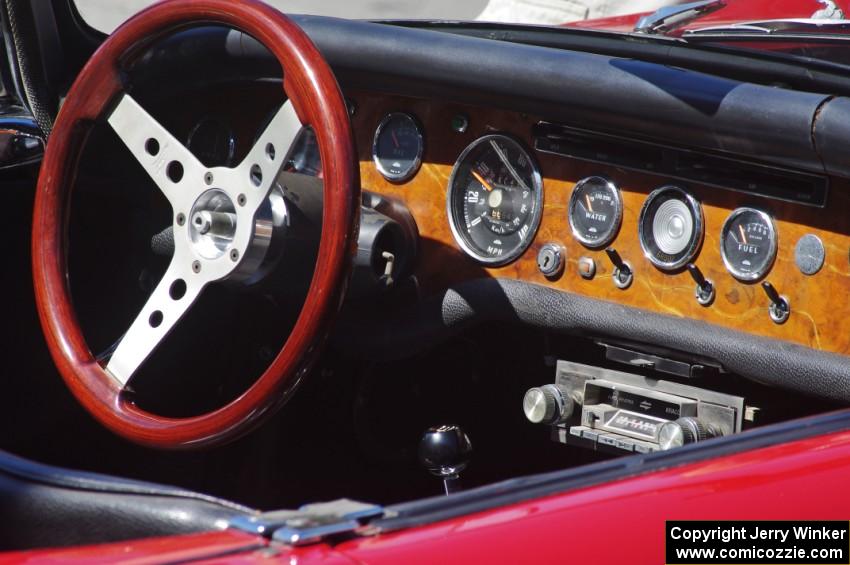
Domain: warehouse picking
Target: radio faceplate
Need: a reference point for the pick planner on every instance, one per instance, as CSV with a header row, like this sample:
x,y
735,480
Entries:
x,y
623,412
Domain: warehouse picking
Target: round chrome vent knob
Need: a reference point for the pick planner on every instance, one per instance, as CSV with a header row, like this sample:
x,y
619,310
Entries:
x,y
548,404
684,431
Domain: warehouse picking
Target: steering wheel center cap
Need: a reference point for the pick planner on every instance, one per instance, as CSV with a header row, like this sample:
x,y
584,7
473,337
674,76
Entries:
x,y
212,224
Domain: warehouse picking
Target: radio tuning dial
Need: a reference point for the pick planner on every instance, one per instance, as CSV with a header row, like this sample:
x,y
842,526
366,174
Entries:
x,y
684,431
548,404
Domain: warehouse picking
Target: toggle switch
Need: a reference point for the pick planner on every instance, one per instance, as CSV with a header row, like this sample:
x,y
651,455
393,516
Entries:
x,y
704,291
623,274
779,308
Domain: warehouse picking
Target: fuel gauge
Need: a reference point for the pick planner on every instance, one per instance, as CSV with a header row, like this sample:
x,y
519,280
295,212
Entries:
x,y
748,244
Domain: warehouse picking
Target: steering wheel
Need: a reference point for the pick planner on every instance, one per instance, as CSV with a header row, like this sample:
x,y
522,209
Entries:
x,y
221,198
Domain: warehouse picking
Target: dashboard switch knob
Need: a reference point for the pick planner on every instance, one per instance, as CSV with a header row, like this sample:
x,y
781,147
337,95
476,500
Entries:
x,y
548,404
623,274
684,431
780,308
704,291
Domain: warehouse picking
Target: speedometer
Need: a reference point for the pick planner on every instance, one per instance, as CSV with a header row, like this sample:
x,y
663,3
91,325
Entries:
x,y
495,199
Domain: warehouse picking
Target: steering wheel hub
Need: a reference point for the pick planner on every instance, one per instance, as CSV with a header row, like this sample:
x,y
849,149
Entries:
x,y
212,225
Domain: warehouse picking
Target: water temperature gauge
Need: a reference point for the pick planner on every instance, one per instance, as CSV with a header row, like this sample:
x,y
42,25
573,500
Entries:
x,y
748,244
595,211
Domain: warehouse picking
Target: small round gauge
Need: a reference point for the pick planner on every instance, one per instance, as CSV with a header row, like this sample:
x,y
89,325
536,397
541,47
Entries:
x,y
670,228
495,199
748,243
397,147
595,211
213,142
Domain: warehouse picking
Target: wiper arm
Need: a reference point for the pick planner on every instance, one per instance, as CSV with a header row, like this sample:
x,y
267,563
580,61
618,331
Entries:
x,y
668,18
774,27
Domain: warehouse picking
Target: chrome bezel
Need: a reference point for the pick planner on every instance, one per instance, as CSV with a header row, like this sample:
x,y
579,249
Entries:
x,y
696,210
417,162
536,212
773,246
618,218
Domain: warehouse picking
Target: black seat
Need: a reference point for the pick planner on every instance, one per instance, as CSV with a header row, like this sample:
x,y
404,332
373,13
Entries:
x,y
44,506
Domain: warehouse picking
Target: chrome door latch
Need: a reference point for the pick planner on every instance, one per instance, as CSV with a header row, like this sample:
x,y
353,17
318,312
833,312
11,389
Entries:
x,y
311,523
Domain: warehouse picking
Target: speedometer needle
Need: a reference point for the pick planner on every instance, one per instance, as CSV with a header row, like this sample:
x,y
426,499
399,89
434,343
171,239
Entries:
x,y
505,161
483,182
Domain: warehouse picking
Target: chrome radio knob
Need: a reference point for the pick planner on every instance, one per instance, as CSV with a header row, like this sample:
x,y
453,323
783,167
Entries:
x,y
547,404
684,431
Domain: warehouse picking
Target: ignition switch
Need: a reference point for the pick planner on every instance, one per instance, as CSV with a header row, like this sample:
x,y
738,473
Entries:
x,y
550,260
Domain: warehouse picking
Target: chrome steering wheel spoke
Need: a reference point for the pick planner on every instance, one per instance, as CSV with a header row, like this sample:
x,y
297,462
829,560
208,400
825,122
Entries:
x,y
214,213
173,168
270,152
178,289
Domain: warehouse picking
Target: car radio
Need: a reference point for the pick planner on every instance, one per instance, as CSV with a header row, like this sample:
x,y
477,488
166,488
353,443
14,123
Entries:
x,y
622,412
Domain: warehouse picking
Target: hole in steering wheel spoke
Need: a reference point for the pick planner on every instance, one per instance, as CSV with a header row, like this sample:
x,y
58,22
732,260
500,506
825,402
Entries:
x,y
174,171
270,151
152,146
155,319
256,175
177,290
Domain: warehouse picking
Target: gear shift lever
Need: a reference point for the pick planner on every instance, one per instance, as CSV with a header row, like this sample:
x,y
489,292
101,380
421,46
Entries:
x,y
445,452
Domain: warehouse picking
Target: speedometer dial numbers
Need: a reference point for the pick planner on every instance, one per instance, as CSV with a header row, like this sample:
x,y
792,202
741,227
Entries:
x,y
670,228
495,198
595,211
748,244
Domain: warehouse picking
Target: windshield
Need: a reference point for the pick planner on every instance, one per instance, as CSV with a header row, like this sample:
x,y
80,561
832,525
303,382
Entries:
x,y
802,31
106,15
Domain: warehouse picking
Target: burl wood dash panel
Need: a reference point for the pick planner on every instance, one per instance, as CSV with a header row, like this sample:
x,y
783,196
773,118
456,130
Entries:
x,y
819,303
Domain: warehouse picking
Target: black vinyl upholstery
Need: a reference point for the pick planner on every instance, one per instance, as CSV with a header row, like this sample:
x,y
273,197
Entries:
x,y
44,506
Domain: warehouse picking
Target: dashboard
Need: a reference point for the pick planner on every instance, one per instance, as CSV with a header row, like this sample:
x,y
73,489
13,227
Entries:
x,y
505,195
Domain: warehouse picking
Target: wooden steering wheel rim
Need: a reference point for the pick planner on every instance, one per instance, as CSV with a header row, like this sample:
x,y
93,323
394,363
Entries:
x,y
315,95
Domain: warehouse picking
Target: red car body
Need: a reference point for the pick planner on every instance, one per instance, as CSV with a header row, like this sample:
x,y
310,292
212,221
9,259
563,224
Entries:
x,y
799,480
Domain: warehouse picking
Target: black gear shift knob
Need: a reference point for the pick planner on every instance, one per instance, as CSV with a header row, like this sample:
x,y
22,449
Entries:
x,y
445,451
